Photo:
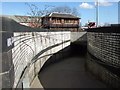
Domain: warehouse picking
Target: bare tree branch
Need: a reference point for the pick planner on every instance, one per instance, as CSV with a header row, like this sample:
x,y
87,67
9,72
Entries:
x,y
36,13
66,9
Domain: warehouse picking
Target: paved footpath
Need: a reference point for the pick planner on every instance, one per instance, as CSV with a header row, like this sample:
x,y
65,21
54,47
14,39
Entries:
x,y
69,73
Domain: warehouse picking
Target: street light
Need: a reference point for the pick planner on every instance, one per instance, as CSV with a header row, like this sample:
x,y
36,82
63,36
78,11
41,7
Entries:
x,y
97,5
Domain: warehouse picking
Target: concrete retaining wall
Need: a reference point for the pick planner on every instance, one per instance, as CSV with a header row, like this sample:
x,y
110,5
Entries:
x,y
76,36
22,48
22,45
35,66
102,73
103,45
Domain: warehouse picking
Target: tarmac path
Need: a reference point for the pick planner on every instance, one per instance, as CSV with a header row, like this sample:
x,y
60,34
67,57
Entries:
x,y
69,73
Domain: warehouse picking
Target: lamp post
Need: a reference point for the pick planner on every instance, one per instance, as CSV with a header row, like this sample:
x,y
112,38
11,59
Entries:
x,y
97,5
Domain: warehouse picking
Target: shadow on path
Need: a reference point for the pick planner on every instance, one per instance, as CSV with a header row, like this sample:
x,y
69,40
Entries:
x,y
66,69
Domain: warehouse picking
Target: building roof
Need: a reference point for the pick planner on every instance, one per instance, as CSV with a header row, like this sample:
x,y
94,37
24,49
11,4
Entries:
x,y
8,24
28,19
61,15
10,17
22,19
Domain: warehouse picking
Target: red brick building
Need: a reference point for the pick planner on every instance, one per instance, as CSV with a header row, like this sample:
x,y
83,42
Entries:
x,y
61,21
50,21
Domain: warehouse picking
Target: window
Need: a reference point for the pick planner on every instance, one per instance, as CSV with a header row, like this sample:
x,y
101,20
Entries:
x,y
56,20
69,21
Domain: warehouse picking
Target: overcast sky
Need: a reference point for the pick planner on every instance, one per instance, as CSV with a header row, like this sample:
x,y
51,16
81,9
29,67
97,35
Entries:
x,y
108,11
